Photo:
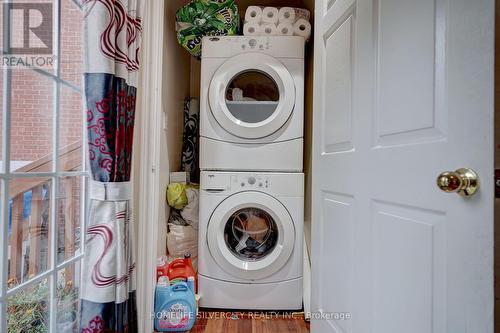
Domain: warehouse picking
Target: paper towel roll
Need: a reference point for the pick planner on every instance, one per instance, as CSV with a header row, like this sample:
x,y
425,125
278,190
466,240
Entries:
x,y
268,29
251,29
270,15
302,28
285,29
286,14
253,14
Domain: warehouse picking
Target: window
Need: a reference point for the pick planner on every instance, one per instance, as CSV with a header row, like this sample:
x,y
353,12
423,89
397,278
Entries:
x,y
42,170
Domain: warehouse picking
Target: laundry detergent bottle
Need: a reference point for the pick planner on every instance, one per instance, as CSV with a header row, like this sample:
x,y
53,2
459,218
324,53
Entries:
x,y
181,269
175,307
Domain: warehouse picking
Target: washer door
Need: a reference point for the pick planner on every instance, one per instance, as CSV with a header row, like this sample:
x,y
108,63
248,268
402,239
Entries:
x,y
252,95
251,235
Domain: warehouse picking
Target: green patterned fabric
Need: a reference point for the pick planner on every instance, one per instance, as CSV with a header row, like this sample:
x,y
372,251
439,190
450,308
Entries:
x,y
201,18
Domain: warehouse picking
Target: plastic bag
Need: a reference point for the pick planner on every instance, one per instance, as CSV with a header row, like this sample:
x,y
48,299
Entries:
x,y
176,218
190,212
201,18
182,231
181,240
176,195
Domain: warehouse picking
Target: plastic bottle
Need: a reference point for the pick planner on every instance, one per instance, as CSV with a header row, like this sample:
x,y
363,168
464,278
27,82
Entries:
x,y
175,307
190,283
182,269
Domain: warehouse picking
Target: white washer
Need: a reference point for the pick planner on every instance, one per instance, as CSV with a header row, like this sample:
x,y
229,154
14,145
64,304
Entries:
x,y
252,103
251,240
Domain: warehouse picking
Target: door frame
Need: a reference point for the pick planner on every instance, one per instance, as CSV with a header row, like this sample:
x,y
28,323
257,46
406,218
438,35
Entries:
x,y
147,144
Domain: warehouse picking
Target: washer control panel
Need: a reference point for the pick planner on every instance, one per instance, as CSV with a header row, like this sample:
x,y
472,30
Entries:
x,y
225,183
250,181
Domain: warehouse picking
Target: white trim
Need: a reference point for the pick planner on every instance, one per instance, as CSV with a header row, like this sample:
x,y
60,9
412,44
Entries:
x,y
150,108
306,283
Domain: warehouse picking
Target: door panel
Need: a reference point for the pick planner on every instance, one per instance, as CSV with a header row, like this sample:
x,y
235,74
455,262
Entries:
x,y
403,92
338,247
405,45
408,256
337,130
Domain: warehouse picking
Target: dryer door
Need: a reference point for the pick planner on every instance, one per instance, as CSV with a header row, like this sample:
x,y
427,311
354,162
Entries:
x,y
251,235
252,95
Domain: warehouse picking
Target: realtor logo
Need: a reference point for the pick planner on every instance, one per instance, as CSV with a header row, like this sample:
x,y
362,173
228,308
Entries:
x,y
27,28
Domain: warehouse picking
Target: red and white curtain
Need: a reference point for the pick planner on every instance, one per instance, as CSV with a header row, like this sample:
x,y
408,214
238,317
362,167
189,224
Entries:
x,y
113,31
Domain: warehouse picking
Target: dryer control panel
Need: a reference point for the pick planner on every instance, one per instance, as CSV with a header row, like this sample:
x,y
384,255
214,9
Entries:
x,y
289,184
276,46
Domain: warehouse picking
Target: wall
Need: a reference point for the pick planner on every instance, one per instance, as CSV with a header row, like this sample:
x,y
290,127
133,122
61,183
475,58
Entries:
x,y
176,75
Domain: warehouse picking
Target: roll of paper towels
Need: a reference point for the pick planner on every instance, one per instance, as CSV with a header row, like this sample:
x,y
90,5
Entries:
x,y
285,29
253,14
268,29
302,28
251,29
270,15
286,15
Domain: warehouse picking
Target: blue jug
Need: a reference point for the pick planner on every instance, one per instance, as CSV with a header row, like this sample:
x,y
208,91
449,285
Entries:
x,y
175,307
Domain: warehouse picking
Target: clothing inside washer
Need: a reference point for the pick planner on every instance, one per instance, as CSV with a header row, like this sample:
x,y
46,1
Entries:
x,y
251,233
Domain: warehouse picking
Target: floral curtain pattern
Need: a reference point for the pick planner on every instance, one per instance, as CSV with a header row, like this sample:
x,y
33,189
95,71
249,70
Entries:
x,y
112,39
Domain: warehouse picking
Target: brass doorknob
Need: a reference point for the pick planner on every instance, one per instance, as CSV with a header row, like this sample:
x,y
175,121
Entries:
x,y
463,181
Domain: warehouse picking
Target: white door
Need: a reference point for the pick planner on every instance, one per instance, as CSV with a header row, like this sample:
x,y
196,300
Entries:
x,y
252,95
403,92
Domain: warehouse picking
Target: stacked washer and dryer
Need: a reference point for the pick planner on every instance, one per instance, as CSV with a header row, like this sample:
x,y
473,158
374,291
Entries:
x,y
252,185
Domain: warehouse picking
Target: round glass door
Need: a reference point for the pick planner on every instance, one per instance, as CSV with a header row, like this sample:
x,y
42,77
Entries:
x,y
251,233
252,95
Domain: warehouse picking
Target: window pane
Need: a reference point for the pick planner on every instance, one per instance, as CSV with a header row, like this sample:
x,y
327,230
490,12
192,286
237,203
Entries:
x,y
70,130
28,309
32,107
71,42
68,296
68,220
29,226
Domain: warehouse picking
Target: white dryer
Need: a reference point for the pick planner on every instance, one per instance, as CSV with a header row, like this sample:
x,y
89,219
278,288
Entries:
x,y
251,240
252,103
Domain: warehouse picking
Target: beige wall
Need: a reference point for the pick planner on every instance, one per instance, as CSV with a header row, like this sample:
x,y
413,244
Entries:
x,y
176,78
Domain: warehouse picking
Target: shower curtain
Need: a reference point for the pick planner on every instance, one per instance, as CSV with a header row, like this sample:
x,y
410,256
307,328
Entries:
x,y
112,39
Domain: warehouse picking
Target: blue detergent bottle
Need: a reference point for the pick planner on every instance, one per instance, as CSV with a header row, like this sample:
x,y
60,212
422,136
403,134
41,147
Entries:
x,y
175,307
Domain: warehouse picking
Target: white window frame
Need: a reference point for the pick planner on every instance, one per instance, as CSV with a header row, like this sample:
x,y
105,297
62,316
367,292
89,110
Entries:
x,y
6,175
